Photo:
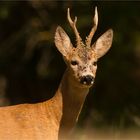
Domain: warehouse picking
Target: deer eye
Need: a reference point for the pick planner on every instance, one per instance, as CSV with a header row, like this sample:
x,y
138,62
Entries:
x,y
73,62
94,63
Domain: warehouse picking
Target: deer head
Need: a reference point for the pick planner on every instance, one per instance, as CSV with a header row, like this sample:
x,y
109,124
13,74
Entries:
x,y
82,59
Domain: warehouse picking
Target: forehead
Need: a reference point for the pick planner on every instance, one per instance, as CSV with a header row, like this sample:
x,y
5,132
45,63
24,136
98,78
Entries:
x,y
84,53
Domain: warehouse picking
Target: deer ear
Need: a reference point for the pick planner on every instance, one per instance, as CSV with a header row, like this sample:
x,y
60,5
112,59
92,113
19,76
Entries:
x,y
62,42
103,43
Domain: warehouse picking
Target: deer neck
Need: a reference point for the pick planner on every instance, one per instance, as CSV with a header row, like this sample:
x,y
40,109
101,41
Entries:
x,y
67,103
72,96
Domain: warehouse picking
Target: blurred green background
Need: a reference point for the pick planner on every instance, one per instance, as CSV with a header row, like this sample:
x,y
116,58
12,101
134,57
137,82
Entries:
x,y
31,67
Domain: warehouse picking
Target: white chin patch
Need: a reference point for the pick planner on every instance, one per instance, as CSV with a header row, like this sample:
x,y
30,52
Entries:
x,y
85,83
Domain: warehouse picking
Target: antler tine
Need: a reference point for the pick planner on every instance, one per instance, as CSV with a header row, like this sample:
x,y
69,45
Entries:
x,y
93,30
73,26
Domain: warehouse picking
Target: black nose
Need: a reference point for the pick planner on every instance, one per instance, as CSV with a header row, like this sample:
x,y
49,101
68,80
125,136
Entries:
x,y
87,80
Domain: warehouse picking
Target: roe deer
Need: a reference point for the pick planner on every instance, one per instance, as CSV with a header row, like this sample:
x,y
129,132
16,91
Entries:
x,y
53,118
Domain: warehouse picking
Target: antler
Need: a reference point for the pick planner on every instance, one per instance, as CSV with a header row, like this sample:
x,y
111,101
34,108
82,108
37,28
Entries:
x,y
73,26
93,30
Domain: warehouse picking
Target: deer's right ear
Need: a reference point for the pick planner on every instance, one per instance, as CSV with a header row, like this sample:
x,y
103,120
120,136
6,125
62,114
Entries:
x,y
62,42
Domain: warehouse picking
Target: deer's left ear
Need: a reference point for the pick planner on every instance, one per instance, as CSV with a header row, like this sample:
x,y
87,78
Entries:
x,y
103,43
62,42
